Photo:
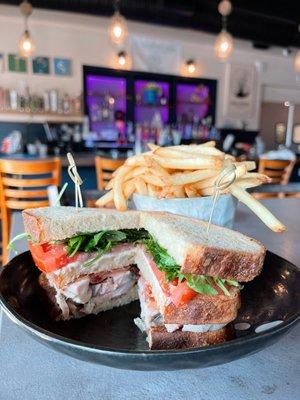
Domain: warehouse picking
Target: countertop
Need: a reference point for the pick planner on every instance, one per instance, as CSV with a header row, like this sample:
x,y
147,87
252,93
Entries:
x,y
86,159
31,371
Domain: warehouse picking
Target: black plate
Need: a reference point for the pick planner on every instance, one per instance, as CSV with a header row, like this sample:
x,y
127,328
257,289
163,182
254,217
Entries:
x,y
111,338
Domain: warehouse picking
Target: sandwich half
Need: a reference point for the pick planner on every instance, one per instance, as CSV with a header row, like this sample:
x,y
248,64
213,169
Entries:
x,y
188,282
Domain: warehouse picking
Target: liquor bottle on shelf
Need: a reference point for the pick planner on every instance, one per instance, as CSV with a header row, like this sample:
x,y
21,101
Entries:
x,y
138,147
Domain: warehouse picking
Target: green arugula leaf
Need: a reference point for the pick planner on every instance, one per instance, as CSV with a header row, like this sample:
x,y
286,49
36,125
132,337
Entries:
x,y
232,282
163,260
200,284
75,246
11,245
220,283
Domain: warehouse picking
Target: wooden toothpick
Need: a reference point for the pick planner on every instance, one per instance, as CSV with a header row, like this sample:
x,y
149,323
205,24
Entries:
x,y
73,173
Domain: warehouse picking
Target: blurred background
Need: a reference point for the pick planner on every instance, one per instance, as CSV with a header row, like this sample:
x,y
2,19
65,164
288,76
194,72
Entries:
x,y
106,77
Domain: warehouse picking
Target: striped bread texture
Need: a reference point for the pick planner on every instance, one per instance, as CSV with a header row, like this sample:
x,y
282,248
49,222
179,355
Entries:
x,y
223,252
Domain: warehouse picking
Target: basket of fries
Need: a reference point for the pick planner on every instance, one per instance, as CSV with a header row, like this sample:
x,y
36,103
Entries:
x,y
182,179
196,207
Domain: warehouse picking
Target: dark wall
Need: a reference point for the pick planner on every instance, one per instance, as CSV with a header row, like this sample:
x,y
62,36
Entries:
x,y
30,132
271,114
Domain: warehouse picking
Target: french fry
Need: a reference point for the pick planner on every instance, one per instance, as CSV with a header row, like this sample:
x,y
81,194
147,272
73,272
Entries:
x,y
199,149
129,188
229,157
191,177
250,165
210,143
141,186
179,191
210,181
153,191
139,161
261,177
152,146
170,152
248,183
153,180
210,191
136,171
205,162
109,185
191,192
158,170
105,199
260,210
205,183
119,198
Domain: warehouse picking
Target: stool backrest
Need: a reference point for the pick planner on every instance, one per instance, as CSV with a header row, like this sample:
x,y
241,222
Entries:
x,y
278,170
23,184
104,169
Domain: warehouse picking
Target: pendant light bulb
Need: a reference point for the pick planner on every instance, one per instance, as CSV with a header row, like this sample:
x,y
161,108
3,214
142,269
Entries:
x,y
225,8
191,67
223,45
122,58
26,45
26,42
117,29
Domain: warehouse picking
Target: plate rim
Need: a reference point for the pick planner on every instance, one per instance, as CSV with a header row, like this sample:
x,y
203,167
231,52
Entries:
x,y
62,340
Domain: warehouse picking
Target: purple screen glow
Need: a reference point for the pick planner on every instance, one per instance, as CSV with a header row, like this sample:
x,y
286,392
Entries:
x,y
105,96
151,97
192,100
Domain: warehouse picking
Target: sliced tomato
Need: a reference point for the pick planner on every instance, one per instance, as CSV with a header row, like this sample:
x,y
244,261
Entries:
x,y
50,257
160,276
181,294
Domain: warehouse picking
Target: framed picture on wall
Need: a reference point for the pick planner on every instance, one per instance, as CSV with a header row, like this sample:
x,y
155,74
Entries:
x,y
62,66
240,91
280,132
41,65
296,134
17,63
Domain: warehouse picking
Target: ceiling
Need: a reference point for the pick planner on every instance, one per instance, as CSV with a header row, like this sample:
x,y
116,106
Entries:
x,y
264,22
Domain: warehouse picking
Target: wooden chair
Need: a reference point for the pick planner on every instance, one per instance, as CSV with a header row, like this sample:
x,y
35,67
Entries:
x,y
104,169
279,171
23,184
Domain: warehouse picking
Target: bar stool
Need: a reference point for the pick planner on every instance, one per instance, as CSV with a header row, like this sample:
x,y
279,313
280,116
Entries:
x,y
23,184
279,171
104,169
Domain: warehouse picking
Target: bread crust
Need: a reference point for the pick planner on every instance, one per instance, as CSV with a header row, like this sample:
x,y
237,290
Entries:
x,y
48,224
205,309
212,261
160,339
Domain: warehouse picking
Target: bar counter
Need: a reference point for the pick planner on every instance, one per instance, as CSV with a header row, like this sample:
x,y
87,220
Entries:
x,y
31,371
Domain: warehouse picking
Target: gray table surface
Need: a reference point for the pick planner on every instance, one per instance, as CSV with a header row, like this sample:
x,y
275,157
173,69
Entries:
x,y
31,371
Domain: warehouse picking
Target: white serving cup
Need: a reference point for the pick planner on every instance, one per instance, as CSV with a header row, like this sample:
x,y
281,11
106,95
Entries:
x,y
197,207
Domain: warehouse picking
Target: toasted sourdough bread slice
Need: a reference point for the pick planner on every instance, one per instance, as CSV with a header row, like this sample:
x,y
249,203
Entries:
x,y
160,339
202,309
223,253
58,223
161,335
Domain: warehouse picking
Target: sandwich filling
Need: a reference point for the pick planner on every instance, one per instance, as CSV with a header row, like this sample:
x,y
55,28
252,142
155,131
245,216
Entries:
x,y
152,317
91,269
